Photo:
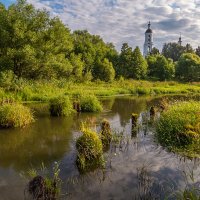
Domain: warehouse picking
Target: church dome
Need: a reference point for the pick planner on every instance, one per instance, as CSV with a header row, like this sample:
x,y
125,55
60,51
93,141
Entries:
x,y
149,28
149,31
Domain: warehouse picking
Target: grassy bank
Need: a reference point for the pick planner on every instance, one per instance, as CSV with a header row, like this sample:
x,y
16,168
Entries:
x,y
179,128
44,91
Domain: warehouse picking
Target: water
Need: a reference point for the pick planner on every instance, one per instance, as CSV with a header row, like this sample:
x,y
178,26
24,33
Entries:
x,y
53,139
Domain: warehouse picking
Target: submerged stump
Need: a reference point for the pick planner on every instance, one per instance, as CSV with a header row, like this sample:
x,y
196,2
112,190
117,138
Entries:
x,y
106,134
134,119
152,111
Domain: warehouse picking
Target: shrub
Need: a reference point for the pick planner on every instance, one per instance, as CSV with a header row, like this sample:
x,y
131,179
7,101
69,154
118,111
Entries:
x,y
90,150
179,126
61,106
90,104
15,115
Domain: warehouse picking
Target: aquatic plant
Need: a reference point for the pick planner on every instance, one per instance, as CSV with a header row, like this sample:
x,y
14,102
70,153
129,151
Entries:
x,y
90,150
44,187
61,106
15,115
90,103
179,128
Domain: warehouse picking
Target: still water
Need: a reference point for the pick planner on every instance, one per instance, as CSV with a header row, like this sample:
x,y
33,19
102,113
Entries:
x,y
51,140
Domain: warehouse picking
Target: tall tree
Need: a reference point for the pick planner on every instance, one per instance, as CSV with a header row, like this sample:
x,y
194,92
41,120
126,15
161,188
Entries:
x,y
160,67
139,70
125,61
173,51
188,67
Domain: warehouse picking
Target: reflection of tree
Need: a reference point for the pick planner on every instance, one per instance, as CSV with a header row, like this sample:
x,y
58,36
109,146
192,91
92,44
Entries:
x,y
108,103
45,141
126,106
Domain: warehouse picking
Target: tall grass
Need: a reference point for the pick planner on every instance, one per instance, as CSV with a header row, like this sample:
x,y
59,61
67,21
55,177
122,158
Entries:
x,y
90,150
61,106
45,90
90,103
15,115
179,128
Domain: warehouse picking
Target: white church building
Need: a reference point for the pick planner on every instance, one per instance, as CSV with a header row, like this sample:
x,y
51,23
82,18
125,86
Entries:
x,y
148,43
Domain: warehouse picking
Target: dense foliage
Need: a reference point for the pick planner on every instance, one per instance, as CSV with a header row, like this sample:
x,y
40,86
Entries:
x,y
35,46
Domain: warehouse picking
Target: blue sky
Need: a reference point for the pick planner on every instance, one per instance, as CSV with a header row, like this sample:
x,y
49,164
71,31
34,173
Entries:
x,y
121,21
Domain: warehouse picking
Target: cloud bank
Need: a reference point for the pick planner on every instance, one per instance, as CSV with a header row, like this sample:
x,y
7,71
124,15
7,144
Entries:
x,y
119,21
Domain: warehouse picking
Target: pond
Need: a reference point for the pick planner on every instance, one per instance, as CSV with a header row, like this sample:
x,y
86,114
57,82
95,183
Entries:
x,y
136,168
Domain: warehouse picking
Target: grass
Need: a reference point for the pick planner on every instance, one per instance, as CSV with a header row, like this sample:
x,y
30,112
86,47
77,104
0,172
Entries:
x,y
14,115
42,185
90,103
61,106
179,128
90,150
46,90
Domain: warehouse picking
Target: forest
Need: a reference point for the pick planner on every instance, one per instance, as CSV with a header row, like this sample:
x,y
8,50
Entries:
x,y
35,46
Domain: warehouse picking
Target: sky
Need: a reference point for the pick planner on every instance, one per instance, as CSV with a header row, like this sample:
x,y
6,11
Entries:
x,y
120,21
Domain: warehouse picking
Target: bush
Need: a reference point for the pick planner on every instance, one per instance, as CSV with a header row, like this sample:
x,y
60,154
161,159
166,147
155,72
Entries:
x,y
90,150
15,115
61,106
179,126
90,104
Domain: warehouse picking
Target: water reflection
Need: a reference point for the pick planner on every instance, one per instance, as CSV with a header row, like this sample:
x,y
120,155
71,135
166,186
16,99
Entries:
x,y
45,141
53,139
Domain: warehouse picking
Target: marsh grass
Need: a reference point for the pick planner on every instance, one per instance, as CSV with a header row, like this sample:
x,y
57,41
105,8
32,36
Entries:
x,y
13,115
42,185
90,150
61,106
179,128
46,90
90,103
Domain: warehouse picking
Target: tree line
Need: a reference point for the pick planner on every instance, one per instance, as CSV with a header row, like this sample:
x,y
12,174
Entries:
x,y
35,46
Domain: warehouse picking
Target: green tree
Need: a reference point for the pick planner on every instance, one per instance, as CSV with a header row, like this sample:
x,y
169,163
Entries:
x,y
155,51
173,51
188,67
160,67
104,71
93,50
34,46
139,70
198,51
125,61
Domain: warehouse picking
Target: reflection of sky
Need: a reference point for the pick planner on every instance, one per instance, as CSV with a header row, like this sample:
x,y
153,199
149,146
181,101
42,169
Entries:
x,y
118,181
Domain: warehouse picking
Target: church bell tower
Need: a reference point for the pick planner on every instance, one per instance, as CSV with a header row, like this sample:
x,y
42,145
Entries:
x,y
148,44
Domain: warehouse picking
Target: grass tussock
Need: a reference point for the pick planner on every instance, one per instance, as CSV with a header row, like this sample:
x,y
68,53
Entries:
x,y
15,115
179,128
90,103
90,150
61,106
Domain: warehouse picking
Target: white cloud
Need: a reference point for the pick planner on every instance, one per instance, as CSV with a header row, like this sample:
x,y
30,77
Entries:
x,y
121,21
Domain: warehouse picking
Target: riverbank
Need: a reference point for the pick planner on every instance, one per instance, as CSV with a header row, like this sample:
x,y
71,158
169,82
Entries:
x,y
44,91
